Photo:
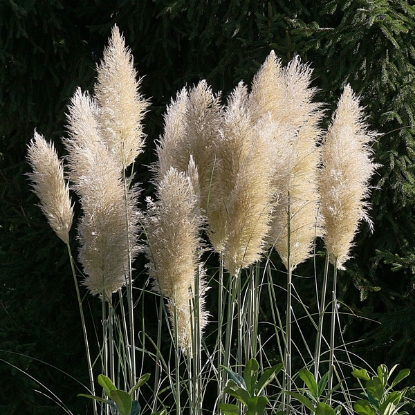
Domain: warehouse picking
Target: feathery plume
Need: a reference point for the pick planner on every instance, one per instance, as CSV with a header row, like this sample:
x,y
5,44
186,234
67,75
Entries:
x,y
191,126
293,227
96,177
241,194
49,185
122,107
344,177
172,224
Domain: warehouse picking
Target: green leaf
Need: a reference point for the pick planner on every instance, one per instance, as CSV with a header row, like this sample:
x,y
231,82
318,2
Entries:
x,y
135,408
404,373
123,401
251,375
256,405
239,380
237,392
360,374
375,390
267,377
308,378
140,382
383,374
97,398
363,407
229,408
107,384
324,409
302,399
322,384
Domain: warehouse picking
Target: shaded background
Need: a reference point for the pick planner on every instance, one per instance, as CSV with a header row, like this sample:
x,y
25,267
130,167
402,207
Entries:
x,y
48,48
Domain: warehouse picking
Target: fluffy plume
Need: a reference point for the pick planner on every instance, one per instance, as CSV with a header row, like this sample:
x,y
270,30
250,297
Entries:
x,y
49,185
191,126
103,233
344,178
122,107
241,194
294,226
172,226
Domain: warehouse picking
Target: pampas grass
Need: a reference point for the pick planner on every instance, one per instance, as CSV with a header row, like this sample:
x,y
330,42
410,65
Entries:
x,y
121,106
172,226
97,179
48,183
344,177
239,179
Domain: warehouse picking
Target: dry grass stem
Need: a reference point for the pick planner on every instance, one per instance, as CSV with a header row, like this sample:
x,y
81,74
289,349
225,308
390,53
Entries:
x,y
344,177
49,185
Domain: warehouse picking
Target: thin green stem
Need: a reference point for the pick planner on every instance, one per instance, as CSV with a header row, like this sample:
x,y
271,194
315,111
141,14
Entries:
x,y
221,288
333,328
157,368
321,312
84,330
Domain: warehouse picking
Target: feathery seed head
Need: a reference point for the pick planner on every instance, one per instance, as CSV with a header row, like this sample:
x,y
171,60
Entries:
x,y
49,185
172,225
241,193
122,107
191,128
96,177
295,181
345,175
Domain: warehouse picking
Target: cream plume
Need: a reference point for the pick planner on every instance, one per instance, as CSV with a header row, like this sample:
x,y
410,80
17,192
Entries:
x,y
345,175
284,94
122,107
49,185
96,177
172,225
191,126
241,194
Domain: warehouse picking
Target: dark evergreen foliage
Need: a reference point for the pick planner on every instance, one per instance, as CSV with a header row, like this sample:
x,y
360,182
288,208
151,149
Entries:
x,y
47,48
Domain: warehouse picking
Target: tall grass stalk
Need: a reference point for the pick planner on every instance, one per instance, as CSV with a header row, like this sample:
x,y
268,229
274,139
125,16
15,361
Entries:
x,y
84,329
334,312
321,313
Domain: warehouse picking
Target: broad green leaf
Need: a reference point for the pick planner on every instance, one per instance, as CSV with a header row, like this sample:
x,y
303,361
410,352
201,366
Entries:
x,y
360,374
362,407
135,408
256,405
375,389
404,373
251,375
123,401
237,392
302,399
97,398
308,378
140,382
229,408
239,380
324,409
267,377
107,384
322,384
